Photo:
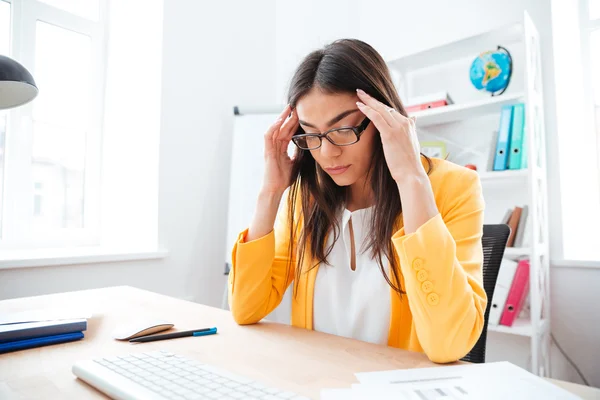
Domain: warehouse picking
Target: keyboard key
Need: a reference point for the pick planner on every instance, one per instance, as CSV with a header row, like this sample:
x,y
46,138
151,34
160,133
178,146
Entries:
x,y
182,391
258,386
160,381
286,395
200,381
179,381
193,396
227,374
224,390
152,386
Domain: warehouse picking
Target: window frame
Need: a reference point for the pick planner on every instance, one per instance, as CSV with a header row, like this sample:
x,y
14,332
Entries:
x,y
18,184
588,26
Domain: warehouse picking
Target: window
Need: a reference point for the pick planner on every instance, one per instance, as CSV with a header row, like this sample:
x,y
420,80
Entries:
x,y
594,9
576,44
4,50
50,148
595,68
89,9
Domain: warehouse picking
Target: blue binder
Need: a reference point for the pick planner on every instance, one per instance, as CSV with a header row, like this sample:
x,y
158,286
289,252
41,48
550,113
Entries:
x,y
517,136
503,144
40,341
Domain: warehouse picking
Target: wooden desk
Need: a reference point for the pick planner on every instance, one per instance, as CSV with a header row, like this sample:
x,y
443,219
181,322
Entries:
x,y
279,355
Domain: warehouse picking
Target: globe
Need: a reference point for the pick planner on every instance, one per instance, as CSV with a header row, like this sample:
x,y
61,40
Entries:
x,y
491,70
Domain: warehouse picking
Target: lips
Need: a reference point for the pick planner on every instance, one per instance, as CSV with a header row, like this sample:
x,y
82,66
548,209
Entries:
x,y
336,170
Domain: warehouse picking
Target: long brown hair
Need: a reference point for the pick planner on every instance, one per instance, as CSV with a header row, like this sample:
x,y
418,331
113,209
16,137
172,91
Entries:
x,y
342,67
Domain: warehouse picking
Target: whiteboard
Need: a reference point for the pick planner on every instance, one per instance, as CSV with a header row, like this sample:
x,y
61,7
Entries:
x,y
247,167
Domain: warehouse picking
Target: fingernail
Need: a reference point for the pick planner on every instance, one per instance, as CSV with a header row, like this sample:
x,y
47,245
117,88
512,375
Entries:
x,y
360,91
358,103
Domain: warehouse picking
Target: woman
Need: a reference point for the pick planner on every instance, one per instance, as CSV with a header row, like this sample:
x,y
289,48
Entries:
x,y
382,243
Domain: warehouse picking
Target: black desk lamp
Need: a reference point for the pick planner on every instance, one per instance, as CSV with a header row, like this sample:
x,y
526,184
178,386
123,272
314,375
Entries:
x,y
17,86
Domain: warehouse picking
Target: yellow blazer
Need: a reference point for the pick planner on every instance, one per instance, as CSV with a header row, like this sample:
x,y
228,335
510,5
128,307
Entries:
x,y
442,312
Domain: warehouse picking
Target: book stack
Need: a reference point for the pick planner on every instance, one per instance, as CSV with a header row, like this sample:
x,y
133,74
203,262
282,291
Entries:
x,y
508,149
27,330
510,293
433,100
516,219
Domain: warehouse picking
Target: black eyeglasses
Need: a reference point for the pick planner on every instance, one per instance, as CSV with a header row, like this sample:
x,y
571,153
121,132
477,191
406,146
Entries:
x,y
339,136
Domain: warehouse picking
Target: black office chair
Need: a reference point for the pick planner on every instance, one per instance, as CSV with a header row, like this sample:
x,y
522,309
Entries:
x,y
494,242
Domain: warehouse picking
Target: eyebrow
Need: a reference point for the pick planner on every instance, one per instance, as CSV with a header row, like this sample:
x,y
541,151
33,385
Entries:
x,y
333,120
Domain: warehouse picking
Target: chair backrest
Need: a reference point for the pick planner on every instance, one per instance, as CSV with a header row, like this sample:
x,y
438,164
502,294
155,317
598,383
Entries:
x,y
494,242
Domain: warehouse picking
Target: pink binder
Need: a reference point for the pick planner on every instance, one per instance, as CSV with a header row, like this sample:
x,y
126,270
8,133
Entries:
x,y
517,294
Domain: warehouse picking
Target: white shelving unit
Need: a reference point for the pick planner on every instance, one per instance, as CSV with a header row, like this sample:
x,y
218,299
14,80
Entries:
x,y
468,126
460,112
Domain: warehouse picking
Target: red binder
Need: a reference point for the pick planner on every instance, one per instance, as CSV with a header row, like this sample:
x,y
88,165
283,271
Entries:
x,y
425,106
517,294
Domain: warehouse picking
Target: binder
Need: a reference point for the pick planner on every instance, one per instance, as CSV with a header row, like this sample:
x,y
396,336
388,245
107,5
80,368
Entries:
x,y
503,143
517,294
491,156
521,228
503,284
40,341
516,136
513,223
524,162
506,217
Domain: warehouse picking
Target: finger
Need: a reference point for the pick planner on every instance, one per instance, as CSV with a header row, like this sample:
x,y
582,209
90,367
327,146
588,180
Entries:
x,y
287,137
288,127
380,123
273,129
378,106
280,119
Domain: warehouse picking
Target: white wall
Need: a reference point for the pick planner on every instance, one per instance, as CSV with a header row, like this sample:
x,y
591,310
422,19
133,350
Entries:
x,y
236,53
213,58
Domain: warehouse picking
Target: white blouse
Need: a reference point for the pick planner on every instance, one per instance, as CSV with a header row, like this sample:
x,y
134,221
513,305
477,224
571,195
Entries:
x,y
354,304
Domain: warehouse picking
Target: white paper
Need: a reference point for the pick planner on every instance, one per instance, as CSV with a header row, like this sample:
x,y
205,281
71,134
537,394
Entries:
x,y
500,380
414,391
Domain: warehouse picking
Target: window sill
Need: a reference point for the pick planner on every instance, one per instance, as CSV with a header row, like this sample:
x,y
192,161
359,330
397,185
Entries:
x,y
11,259
574,264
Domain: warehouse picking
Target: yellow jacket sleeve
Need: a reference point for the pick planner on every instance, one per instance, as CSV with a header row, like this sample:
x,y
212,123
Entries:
x,y
260,273
442,267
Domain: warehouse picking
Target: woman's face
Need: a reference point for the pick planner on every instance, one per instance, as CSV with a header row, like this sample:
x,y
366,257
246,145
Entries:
x,y
319,112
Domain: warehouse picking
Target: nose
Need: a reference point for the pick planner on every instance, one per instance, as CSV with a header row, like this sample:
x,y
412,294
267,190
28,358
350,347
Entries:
x,y
329,150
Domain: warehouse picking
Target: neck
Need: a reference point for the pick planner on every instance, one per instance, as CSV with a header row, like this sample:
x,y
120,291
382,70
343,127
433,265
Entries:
x,y
360,195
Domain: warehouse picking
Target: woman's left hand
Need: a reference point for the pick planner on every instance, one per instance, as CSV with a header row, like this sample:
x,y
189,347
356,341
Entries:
x,y
398,136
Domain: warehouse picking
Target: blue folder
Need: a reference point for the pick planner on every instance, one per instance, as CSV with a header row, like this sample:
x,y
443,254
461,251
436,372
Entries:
x,y
517,137
503,144
40,341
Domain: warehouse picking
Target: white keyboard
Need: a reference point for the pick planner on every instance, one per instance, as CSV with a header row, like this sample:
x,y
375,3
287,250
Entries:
x,y
164,375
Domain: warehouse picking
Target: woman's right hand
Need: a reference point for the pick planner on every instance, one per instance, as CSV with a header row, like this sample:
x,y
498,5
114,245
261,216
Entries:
x,y
278,164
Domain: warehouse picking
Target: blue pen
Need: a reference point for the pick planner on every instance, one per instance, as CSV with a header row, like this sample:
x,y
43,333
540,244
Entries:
x,y
195,332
